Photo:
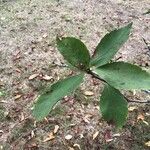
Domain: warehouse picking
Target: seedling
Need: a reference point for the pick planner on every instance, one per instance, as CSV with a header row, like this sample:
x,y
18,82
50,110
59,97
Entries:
x,y
2,93
115,76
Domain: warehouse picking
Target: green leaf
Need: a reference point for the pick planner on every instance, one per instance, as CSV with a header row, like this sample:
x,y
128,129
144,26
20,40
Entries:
x,y
2,93
74,51
52,95
109,45
113,106
148,12
123,75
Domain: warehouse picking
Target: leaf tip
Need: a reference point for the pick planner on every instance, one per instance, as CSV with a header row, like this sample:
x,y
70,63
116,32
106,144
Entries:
x,y
130,25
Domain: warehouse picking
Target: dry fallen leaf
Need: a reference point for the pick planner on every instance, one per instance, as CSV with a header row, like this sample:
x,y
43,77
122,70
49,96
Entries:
x,y
97,107
86,118
1,131
39,39
34,146
50,137
108,136
6,113
22,117
17,97
18,70
147,114
140,117
116,135
82,106
132,108
72,125
95,135
47,78
1,83
77,145
147,143
3,18
33,76
32,134
56,129
88,93
68,137
145,122
134,92
45,35
70,148
34,124
81,136
109,140
46,119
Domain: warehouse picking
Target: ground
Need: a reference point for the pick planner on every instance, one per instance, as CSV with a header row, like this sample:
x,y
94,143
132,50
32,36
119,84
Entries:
x,y
29,61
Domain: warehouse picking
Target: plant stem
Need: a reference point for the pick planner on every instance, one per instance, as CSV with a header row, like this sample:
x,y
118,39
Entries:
x,y
95,76
128,100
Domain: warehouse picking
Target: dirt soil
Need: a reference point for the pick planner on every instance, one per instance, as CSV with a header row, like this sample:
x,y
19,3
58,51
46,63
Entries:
x,y
29,61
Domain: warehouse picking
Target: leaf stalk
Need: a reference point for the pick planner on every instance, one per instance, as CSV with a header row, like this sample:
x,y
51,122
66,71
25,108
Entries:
x,y
94,75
